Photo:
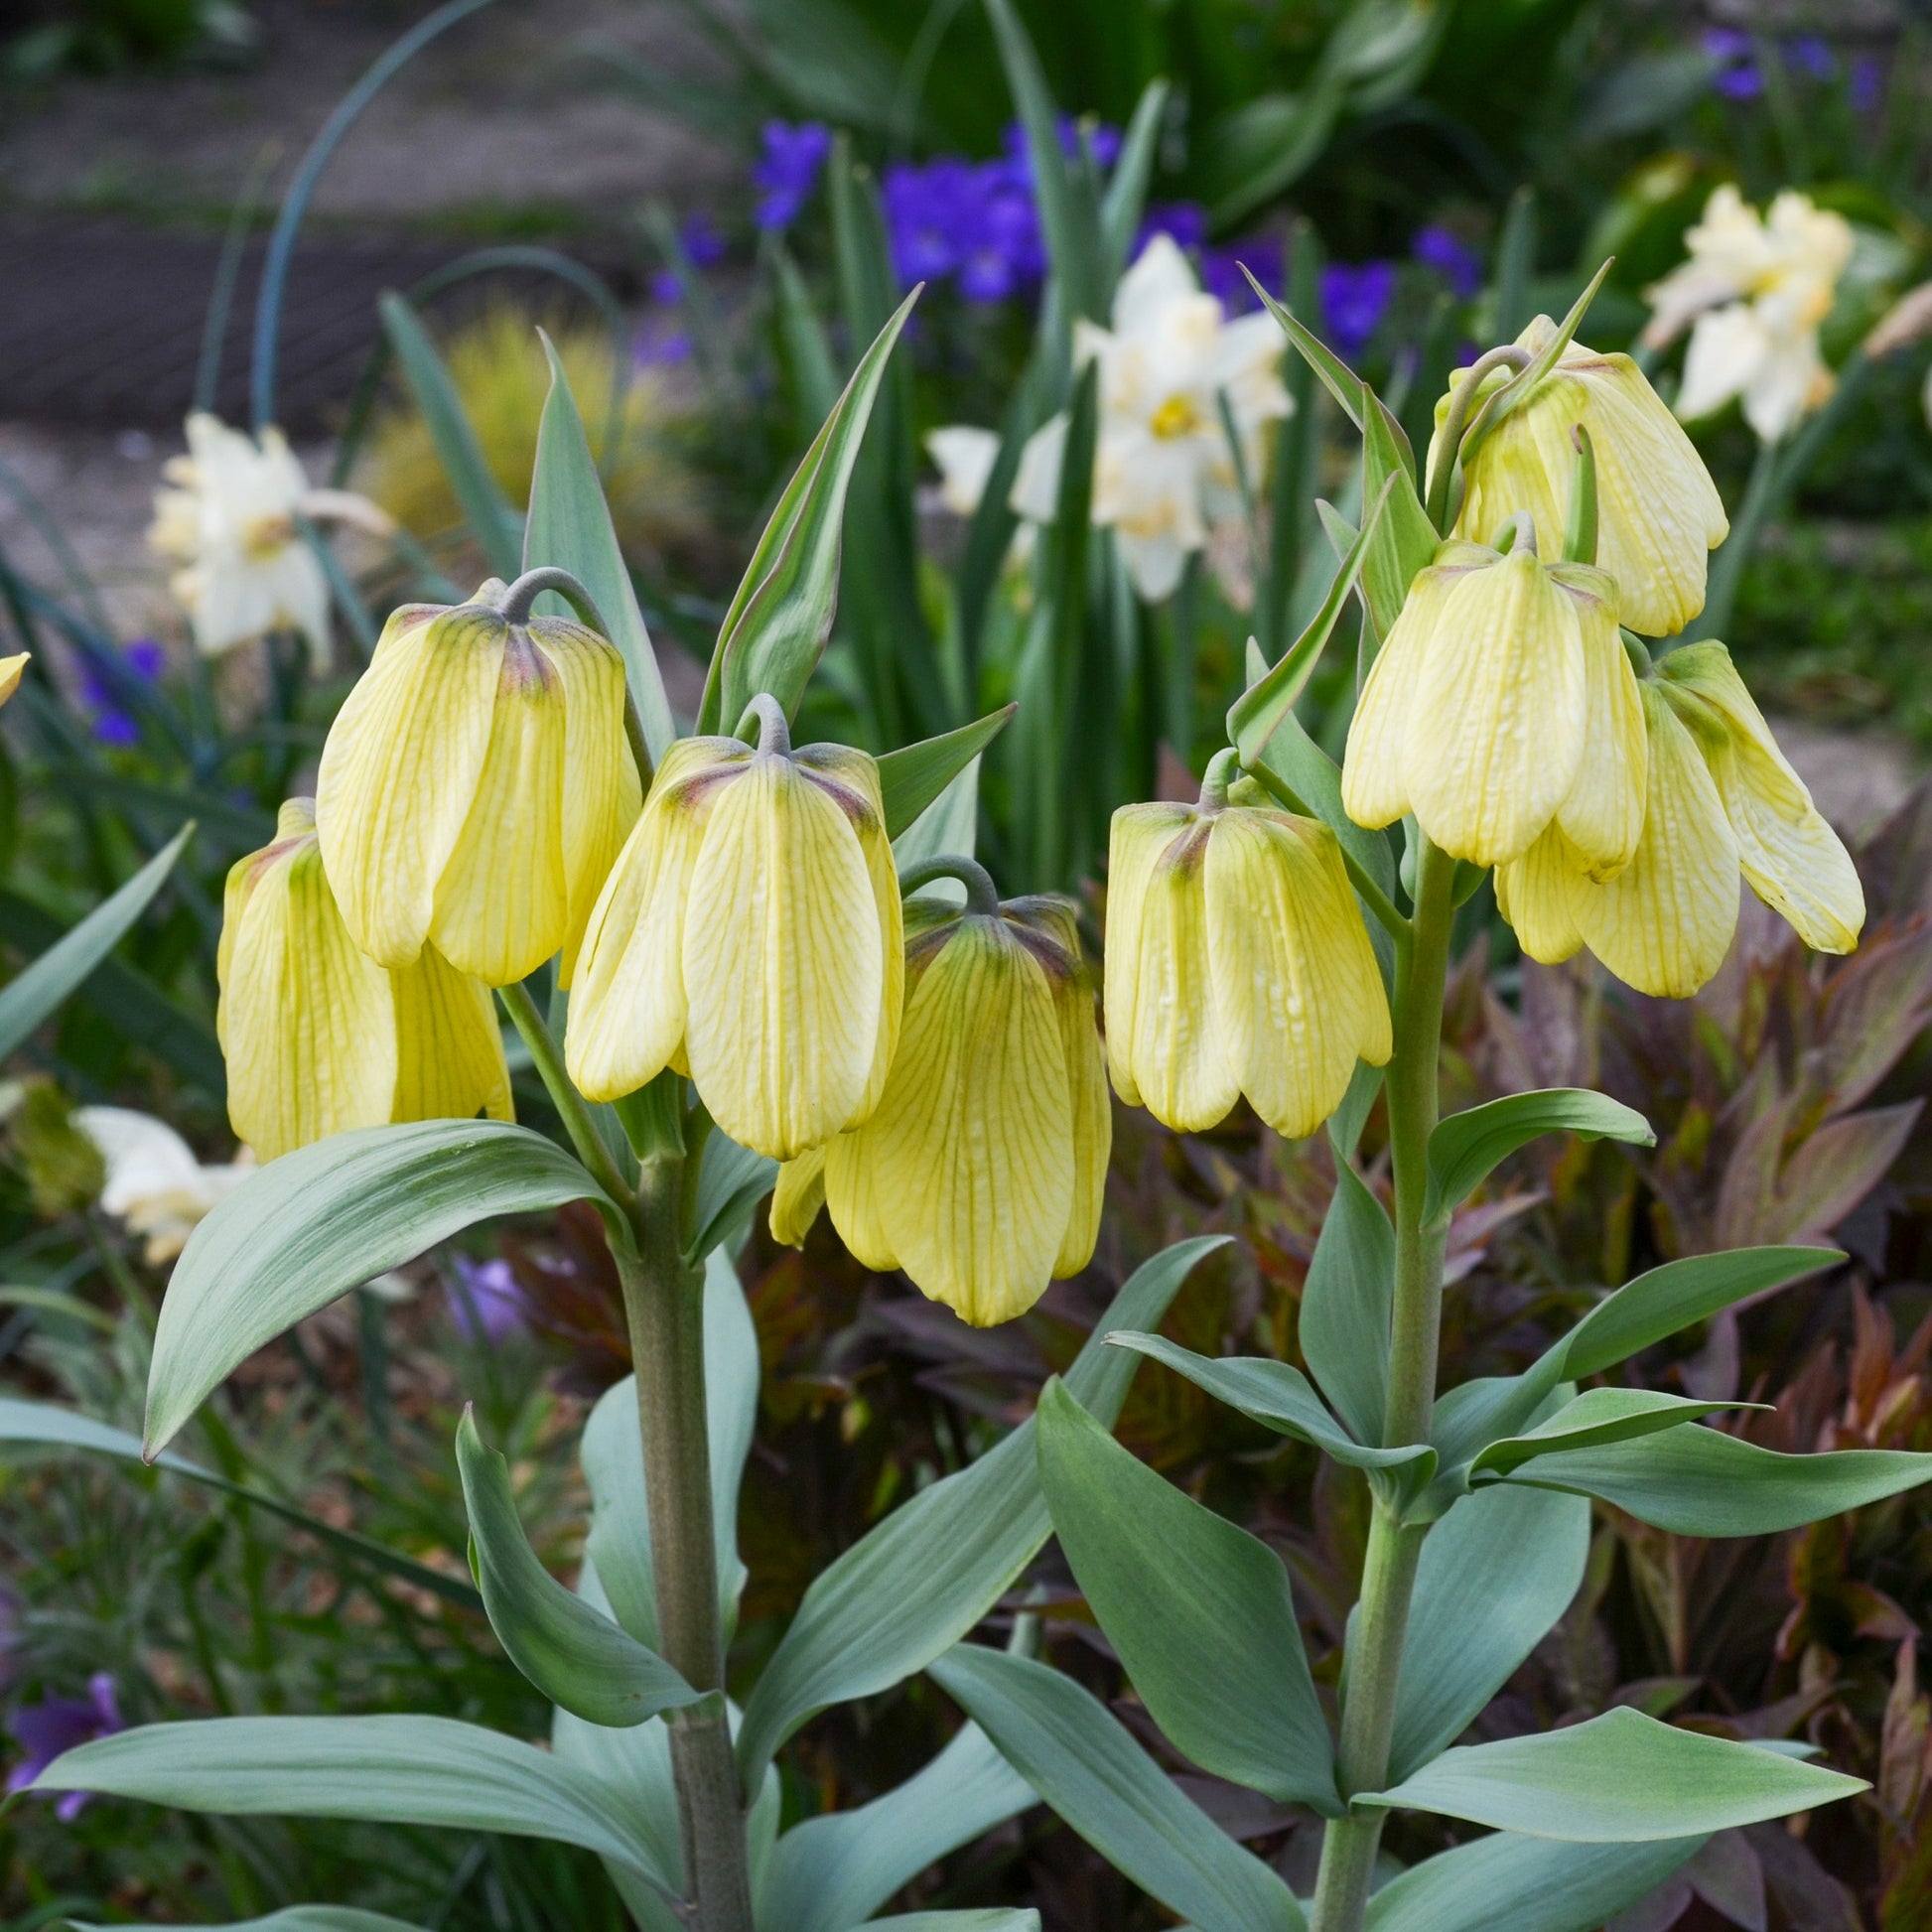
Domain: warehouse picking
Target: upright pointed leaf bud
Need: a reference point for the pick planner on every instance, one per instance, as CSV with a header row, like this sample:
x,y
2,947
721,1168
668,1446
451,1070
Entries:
x,y
981,1172
477,786
1238,962
1659,512
749,935
318,1039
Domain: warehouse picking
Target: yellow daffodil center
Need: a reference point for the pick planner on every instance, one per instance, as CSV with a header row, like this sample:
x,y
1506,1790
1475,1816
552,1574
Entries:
x,y
1177,417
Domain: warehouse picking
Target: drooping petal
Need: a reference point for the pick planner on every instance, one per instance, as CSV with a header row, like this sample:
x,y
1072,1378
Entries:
x,y
1728,347
852,1196
1533,893
1374,766
965,456
783,970
1135,840
797,1198
1602,812
449,1047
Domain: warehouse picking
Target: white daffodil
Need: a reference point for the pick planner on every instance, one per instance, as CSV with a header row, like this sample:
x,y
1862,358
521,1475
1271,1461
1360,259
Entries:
x,y
1163,472
227,522
154,1182
965,456
1757,290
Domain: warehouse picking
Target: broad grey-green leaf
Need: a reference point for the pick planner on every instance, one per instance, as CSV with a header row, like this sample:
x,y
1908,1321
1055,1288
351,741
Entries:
x,y
1346,1304
985,1918
34,995
573,1654
326,1218
781,614
569,527
48,1427
1618,1779
1524,1885
1594,1418
925,1577
1199,1610
403,1770
911,778
732,1180
1466,1148
291,1918
1495,1573
1698,1481
1405,542
949,825
1083,1763
827,1874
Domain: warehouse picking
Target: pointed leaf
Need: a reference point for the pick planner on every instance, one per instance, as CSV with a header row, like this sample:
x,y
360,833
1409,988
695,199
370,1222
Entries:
x,y
1528,1885
984,1919
732,1180
1085,1765
1404,540
1347,1304
1595,1418
1199,1610
1466,1148
1516,391
911,778
291,1918
1125,199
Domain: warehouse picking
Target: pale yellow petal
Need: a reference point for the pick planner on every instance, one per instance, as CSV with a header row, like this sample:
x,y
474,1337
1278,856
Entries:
x,y
1602,812
1535,892
797,1198
1295,984
449,1047
10,670
852,1198
1374,766
1139,836
783,971
1665,922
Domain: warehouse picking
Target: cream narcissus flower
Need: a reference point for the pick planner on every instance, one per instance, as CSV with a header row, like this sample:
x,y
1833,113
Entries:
x,y
10,673
318,1037
981,1172
1721,800
1659,514
152,1181
749,935
1163,471
964,457
228,525
477,786
1236,963
1758,290
1503,701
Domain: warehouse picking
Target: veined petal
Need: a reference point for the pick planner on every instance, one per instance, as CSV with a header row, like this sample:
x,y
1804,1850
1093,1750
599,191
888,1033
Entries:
x,y
783,970
1297,989
852,1196
399,771
1533,893
1664,923
797,1198
1138,837
1374,766
1601,815
1496,719
1795,863
449,1047
628,1006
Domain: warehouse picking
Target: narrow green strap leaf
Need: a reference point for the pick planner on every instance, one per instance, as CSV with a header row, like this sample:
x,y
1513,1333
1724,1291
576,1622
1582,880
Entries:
x,y
1083,1763
487,512
403,1770
575,1655
1699,1481
781,613
990,1918
925,1577
1125,198
34,996
1515,265
326,1218
291,1918
1596,1417
41,1425
1466,1147
1347,1302
910,778
1620,1778
807,347
1526,1884
1199,1610
1406,541
569,528
1674,1296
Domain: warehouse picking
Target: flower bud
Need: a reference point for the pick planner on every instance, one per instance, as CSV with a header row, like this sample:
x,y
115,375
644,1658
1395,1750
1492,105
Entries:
x,y
1502,700
749,935
1659,512
1237,963
477,786
318,1039
981,1172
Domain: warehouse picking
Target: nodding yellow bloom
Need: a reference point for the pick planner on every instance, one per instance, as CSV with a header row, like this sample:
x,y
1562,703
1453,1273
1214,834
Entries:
x,y
1237,963
1721,800
749,935
319,1038
981,1172
1659,514
10,670
1502,701
477,786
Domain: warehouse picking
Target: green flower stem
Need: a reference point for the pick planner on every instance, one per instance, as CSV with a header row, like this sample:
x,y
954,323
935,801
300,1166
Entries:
x,y
587,1141
1389,1569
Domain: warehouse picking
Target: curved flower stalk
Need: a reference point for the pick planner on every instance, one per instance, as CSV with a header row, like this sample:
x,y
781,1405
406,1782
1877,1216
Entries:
x,y
227,522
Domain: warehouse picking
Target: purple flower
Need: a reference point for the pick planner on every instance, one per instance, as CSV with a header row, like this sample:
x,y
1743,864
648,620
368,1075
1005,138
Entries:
x,y
144,660
1102,139
702,244
973,221
1184,221
1222,277
1456,262
788,169
485,1303
1736,54
1811,54
45,1731
658,343
1867,83
1354,300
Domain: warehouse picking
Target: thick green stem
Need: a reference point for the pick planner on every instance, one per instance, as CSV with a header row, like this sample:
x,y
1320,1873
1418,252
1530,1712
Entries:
x,y
664,1305
1389,1569
549,1063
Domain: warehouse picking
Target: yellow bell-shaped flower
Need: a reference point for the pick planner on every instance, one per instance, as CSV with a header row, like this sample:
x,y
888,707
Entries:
x,y
1659,513
1502,700
319,1038
749,935
477,786
981,1172
1721,800
1238,962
